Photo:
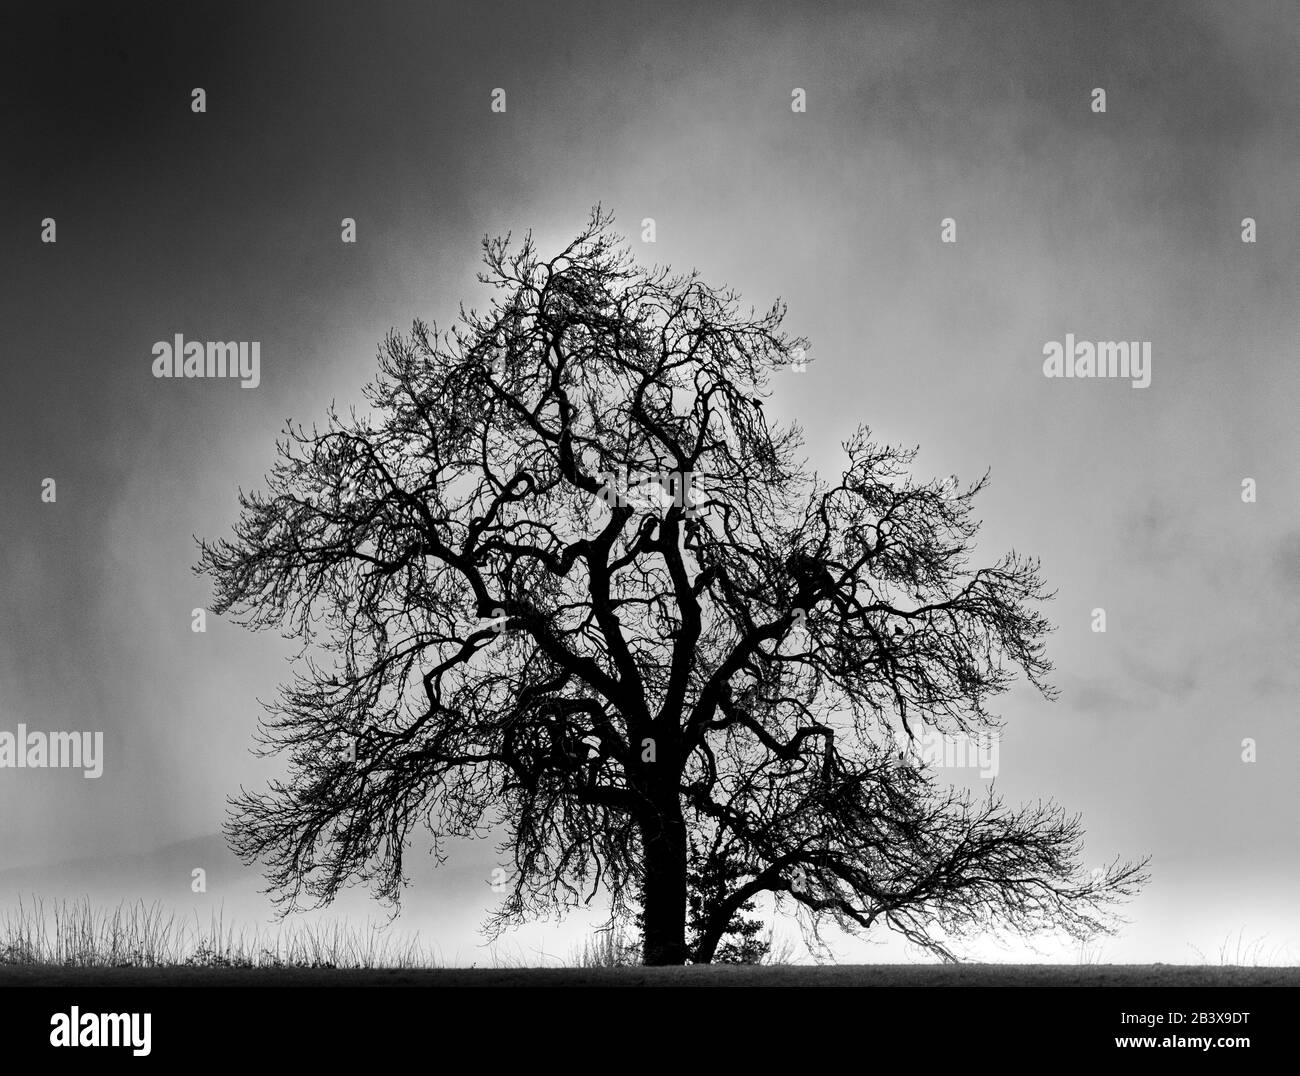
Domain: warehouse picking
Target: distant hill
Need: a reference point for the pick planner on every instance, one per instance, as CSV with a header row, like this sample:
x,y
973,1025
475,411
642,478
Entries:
x,y
160,875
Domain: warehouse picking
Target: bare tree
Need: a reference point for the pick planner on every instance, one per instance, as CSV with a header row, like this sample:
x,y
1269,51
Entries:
x,y
564,576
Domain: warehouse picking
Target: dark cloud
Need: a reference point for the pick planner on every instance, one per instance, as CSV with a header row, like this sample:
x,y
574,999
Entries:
x,y
1286,559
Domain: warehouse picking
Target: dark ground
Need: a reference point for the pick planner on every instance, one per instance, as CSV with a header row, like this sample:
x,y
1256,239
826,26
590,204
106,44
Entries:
x,y
892,975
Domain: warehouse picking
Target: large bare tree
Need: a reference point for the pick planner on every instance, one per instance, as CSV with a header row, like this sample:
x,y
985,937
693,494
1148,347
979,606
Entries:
x,y
563,576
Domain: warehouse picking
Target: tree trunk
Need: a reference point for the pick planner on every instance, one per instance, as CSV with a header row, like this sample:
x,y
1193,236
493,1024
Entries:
x,y
708,943
664,914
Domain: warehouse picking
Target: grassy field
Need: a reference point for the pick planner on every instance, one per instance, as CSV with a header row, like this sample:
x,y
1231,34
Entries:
x,y
889,975
76,944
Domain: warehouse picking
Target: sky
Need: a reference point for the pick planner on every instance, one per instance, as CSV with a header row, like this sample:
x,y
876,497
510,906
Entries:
x,y
1117,225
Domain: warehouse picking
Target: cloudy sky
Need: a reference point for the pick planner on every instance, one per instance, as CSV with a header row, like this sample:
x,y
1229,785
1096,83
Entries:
x,y
1122,225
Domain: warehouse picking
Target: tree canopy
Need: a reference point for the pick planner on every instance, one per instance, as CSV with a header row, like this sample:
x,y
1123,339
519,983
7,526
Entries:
x,y
565,578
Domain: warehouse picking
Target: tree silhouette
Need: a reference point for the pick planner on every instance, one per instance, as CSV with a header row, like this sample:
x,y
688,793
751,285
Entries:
x,y
564,576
